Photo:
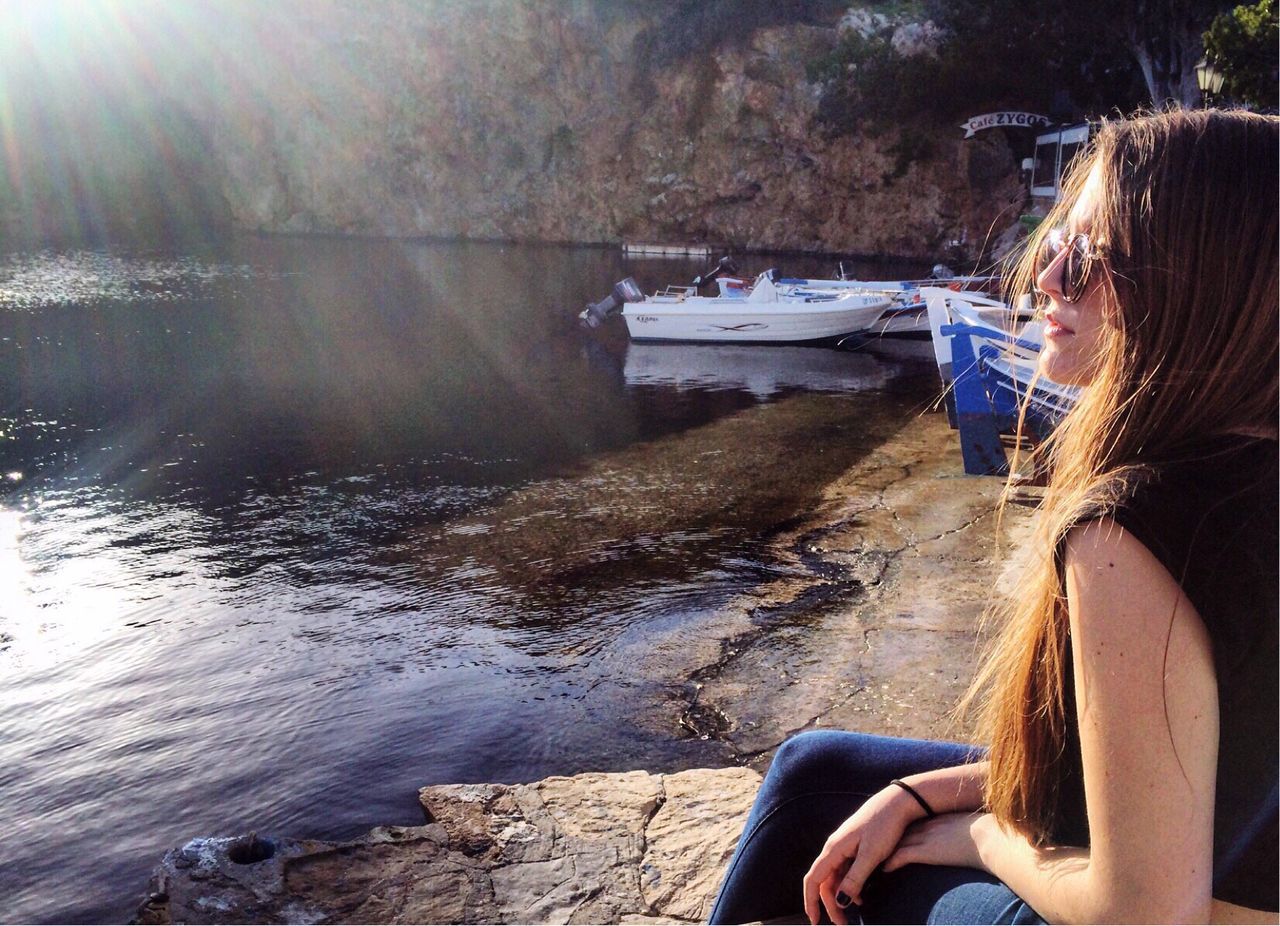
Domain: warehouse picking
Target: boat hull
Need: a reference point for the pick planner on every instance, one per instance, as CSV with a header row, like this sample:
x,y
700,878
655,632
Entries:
x,y
741,322
911,321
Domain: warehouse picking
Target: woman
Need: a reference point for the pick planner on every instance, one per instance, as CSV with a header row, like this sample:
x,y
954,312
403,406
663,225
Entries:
x,y
1130,702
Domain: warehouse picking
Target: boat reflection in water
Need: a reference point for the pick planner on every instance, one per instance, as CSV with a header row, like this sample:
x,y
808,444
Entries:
x,y
764,372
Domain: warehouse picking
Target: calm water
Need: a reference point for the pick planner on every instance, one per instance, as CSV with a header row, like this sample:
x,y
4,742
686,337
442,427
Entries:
x,y
214,472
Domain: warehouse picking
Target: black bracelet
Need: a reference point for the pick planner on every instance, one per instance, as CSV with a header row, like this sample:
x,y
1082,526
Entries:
x,y
928,811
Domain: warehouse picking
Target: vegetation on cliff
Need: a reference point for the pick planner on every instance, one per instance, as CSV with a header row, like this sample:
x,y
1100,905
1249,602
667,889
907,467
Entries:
x,y
1243,44
978,55
972,57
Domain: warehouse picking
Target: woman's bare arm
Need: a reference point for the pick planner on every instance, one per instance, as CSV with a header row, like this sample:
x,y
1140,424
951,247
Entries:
x,y
950,790
1147,709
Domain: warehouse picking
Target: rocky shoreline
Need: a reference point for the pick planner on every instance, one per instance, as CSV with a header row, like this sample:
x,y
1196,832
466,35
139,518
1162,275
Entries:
x,y
876,629
626,847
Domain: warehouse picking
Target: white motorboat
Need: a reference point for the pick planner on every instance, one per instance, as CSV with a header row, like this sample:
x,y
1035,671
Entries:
x,y
767,315
907,315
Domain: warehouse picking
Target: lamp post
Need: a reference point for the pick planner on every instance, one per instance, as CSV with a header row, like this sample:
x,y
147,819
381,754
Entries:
x,y
1209,79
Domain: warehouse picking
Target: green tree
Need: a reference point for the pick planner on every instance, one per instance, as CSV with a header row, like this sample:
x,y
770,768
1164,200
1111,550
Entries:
x,y
1162,37
1107,55
1165,38
1033,52
994,54
1243,44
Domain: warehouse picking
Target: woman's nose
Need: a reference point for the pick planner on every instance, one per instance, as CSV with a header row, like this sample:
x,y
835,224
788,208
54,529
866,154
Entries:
x,y
1049,280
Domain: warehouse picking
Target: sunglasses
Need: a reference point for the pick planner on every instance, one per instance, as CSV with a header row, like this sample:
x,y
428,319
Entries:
x,y
1077,266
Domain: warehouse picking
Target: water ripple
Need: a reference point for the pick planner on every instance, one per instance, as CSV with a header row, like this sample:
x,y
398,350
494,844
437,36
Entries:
x,y
289,531
52,278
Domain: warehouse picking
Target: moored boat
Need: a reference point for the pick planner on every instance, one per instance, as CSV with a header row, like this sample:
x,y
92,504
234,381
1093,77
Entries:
x,y
907,314
769,314
988,356
945,306
905,318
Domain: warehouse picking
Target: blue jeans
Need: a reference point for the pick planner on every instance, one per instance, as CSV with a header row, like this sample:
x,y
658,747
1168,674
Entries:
x,y
817,780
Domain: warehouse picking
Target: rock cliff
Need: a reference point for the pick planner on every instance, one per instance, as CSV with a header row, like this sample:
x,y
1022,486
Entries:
x,y
542,121
548,122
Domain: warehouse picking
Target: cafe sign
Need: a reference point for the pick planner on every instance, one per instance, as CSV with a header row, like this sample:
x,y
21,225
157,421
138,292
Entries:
x,y
1003,120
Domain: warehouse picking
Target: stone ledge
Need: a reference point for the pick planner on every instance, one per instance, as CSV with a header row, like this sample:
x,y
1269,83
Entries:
x,y
627,847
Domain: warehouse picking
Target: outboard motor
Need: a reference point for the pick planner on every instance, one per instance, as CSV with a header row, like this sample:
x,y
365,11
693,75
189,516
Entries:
x,y
597,313
725,267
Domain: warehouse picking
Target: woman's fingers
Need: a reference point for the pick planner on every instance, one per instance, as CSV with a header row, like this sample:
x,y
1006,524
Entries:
x,y
904,855
826,870
811,899
818,888
834,910
906,851
811,909
851,886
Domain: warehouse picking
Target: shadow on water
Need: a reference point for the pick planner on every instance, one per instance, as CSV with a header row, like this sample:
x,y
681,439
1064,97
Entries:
x,y
293,527
623,512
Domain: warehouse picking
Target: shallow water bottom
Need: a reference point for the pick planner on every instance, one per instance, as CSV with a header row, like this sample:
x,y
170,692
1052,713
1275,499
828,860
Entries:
x,y
281,553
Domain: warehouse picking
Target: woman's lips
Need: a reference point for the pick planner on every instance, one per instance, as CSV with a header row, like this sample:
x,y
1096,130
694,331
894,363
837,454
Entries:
x,y
1054,328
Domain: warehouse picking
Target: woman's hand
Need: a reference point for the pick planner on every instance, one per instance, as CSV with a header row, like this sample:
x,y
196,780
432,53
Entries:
x,y
947,839
854,850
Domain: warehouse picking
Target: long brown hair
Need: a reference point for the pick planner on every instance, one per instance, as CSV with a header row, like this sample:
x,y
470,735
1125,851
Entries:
x,y
1186,220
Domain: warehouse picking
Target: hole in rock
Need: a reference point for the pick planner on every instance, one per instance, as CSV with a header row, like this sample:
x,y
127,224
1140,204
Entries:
x,y
251,849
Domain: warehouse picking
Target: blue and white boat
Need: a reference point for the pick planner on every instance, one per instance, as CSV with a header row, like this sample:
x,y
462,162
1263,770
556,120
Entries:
x,y
988,355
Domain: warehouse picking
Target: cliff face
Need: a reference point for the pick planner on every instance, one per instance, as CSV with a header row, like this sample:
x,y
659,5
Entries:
x,y
555,121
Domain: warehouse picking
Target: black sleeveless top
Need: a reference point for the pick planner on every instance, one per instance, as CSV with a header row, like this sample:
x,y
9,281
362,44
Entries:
x,y
1210,517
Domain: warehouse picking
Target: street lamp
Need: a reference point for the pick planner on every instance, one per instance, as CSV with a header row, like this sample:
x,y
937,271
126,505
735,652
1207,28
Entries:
x,y
1209,79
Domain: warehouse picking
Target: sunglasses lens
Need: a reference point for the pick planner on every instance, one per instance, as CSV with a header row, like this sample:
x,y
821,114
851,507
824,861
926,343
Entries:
x,y
1070,274
1050,248
1075,269
1075,264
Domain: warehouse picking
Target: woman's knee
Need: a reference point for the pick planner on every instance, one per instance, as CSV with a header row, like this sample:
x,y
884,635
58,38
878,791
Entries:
x,y
820,746
821,760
